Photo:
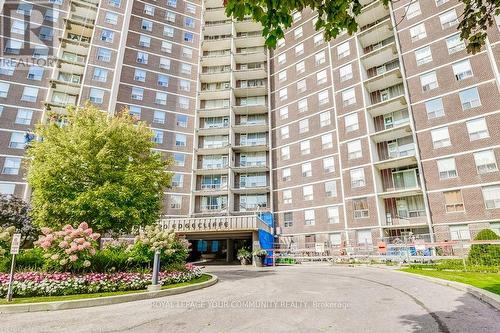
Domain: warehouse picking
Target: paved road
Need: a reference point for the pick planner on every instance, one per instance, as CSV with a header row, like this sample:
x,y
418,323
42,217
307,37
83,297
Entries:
x,y
306,298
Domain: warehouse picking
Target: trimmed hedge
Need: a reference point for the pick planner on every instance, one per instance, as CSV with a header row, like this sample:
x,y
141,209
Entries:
x,y
485,254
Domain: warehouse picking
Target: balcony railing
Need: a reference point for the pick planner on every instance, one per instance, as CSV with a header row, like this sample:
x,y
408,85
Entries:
x,y
378,45
212,23
401,180
369,25
214,166
216,37
374,71
386,94
252,163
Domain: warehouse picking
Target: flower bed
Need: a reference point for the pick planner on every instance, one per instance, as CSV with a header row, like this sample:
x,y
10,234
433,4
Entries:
x,y
32,284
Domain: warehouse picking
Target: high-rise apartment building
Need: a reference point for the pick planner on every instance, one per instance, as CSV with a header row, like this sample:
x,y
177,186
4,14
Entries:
x,y
394,129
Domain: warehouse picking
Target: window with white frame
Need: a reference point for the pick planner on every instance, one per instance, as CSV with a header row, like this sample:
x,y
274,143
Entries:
x,y
303,125
177,180
144,41
287,196
296,16
301,86
283,94
434,108
96,96
147,25
286,174
149,10
300,67
107,36
175,201
140,75
17,140
345,73
282,58
462,70
453,201
166,47
306,169
343,50
302,105
357,177
469,98
477,129
447,168
448,19
318,39
190,8
440,2
319,58
183,102
4,89
299,49
348,97
179,159
284,113
161,98
159,117
309,217
440,137
164,63
354,150
282,76
287,219
429,81
189,22
323,97
24,116
186,69
281,43
137,93
170,16
305,147
135,111
35,73
331,188
168,31
158,136
418,32
326,141
460,232
332,214
455,44
7,188
30,94
162,80
172,3
413,10
187,53
307,192
11,165
321,77
351,122
180,140
13,46
285,153
485,161
100,74
328,164
423,55
285,132
491,196
360,208
324,119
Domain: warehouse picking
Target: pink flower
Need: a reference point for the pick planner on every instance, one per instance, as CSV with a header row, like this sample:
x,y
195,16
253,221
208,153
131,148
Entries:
x,y
63,244
92,251
73,258
88,231
87,245
95,236
73,247
83,225
80,247
80,240
46,230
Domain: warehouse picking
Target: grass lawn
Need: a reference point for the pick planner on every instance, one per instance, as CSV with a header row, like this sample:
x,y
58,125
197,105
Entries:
x,y
487,281
23,300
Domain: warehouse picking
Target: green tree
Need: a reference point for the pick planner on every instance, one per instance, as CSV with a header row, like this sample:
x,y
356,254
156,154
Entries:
x,y
485,254
15,212
335,16
96,169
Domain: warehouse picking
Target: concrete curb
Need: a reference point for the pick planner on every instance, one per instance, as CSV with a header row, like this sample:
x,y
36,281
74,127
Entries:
x,y
484,295
109,300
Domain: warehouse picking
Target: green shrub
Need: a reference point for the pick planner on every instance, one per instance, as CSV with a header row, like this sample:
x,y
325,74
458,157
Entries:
x,y
485,254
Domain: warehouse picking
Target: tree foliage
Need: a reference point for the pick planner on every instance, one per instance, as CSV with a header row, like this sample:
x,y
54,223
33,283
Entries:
x,y
485,254
96,169
335,16
14,212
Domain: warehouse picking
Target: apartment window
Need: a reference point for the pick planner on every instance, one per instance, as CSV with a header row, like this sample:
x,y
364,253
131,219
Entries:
x,y
454,44
46,33
486,161
364,237
281,43
166,47
172,3
282,58
307,192
165,63
24,9
140,75
318,39
300,67
186,69
286,174
423,55
348,97
161,98
35,73
111,18
24,116
303,125
296,16
297,33
158,136
169,16
162,80
180,140
335,239
299,49
288,219
178,180
440,2
302,105
135,111
183,102
11,166
469,98
103,55
324,119
477,129
51,15
13,46
17,140
184,85
301,86
328,164
30,94
306,169
319,58
323,97
284,113
188,37
179,159
453,201
357,177
149,10
448,19
326,141
462,70
144,41
187,52
447,168
287,196
4,89
440,138
459,232
305,147
100,74
418,32
283,94
333,214
285,133
96,96
434,108
107,36
181,120
413,10
343,50
175,201
429,81
491,196
285,153
331,189
7,189
345,73
18,27
309,217
282,76
41,52
190,8
351,122
168,31
137,94
360,208
321,77
159,117
354,150
114,3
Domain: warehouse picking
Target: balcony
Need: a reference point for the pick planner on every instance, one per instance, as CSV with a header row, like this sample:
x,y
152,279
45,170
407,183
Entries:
x,y
215,13
251,189
397,153
405,182
251,71
217,57
381,77
220,27
379,53
399,130
250,106
72,59
387,100
217,42
250,54
371,13
405,211
213,148
251,166
215,90
376,31
213,167
249,39
251,128
246,88
214,74
251,145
